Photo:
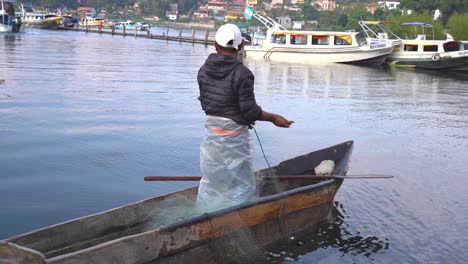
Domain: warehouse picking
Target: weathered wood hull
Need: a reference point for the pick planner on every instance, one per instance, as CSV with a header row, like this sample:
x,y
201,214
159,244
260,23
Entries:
x,y
139,232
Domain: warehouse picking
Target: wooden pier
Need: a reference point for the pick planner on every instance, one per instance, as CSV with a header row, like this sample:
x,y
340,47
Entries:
x,y
207,39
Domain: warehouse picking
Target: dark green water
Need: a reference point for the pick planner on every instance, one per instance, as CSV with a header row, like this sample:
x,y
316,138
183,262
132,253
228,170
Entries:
x,y
85,117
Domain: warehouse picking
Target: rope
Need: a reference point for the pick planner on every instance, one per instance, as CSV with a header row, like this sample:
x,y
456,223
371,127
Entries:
x,y
261,147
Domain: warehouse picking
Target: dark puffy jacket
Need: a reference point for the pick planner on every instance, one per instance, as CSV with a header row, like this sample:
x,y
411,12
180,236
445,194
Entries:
x,y
227,89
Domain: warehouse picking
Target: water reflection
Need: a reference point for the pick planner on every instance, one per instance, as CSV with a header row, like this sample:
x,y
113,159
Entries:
x,y
84,117
305,245
451,75
329,80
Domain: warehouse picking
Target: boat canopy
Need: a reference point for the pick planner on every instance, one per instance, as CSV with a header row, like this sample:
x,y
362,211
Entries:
x,y
416,24
315,33
377,22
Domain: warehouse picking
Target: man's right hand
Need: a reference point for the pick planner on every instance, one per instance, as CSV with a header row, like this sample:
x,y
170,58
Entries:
x,y
281,121
277,120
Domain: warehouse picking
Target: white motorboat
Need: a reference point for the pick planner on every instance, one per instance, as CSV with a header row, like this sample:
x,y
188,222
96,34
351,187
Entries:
x,y
130,25
420,52
315,46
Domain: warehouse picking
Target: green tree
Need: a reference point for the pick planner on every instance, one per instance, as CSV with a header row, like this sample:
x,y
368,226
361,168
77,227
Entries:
x,y
308,11
418,5
379,14
449,7
456,26
409,32
357,14
186,5
342,20
328,20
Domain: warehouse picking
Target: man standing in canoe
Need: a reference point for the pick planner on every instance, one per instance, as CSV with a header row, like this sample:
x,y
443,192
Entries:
x,y
227,97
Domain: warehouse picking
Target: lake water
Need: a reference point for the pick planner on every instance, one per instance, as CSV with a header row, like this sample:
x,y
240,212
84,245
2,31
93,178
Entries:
x,y
83,117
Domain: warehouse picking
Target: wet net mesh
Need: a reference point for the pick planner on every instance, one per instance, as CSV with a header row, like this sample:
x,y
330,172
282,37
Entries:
x,y
278,225
246,237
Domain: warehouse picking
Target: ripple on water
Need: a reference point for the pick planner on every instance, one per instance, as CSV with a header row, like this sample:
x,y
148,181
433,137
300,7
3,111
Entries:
x,y
84,117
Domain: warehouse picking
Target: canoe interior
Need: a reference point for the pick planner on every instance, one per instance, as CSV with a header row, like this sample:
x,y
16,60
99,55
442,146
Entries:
x,y
171,211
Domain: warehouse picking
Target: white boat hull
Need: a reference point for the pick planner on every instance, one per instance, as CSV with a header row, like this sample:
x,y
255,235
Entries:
x,y
320,55
5,28
445,60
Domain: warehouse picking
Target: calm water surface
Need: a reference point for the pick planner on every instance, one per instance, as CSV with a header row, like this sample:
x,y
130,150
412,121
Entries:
x,y
85,117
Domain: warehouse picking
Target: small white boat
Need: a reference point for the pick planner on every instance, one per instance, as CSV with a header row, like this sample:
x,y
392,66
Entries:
x,y
8,20
130,25
420,52
315,46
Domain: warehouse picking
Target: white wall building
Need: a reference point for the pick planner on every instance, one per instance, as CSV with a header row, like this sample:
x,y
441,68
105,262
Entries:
x,y
277,2
324,4
389,4
437,14
317,4
297,2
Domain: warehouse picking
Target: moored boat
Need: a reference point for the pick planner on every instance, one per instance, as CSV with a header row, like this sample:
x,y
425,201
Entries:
x,y
166,229
423,53
130,25
8,20
35,19
92,22
315,46
69,21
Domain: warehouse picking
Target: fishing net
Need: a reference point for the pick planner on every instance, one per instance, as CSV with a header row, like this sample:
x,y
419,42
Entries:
x,y
242,239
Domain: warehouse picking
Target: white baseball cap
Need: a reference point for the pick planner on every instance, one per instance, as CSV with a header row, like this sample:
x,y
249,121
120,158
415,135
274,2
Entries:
x,y
229,36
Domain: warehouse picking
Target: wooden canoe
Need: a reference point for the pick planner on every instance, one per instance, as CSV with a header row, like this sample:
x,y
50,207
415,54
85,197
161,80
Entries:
x,y
161,229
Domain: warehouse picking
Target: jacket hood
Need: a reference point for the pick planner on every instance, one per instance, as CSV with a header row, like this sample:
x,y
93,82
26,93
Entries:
x,y
219,66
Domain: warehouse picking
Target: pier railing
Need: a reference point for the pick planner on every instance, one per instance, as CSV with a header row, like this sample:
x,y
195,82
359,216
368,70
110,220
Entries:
x,y
192,35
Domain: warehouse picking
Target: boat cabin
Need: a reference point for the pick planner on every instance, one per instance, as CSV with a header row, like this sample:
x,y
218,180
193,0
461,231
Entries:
x,y
431,46
312,38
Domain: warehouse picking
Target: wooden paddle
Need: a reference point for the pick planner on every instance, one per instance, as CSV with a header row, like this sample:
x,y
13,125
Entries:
x,y
281,177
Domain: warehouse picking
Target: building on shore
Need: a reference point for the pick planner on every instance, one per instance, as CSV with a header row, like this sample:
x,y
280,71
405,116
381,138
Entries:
x,y
251,3
86,11
173,13
389,4
324,5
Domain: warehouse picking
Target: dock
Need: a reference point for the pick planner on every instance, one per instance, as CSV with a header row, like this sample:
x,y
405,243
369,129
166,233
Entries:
x,y
171,34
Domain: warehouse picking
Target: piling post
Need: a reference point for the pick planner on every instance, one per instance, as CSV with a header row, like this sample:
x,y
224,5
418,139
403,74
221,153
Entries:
x,y
124,29
100,30
193,35
113,29
148,33
87,28
136,32
206,36
180,34
167,32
